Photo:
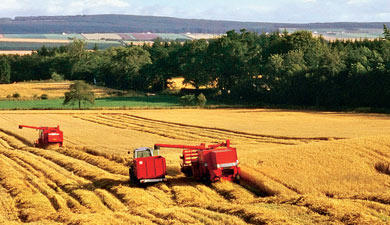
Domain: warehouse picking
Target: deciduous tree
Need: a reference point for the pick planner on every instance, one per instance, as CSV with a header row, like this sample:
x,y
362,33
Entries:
x,y
5,71
79,92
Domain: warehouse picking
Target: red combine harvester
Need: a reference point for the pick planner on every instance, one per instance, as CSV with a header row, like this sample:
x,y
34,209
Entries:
x,y
48,136
209,163
147,166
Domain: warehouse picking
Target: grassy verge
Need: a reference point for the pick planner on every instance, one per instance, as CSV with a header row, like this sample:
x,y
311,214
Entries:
x,y
160,101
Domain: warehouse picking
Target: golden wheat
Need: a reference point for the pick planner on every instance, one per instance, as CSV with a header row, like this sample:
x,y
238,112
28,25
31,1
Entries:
x,y
296,168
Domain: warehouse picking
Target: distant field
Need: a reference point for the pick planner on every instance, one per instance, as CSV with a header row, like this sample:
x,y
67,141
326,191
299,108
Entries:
x,y
33,40
168,37
10,52
34,44
106,40
25,46
203,36
29,90
43,36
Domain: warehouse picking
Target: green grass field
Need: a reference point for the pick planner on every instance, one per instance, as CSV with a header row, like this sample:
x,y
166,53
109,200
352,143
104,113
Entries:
x,y
160,101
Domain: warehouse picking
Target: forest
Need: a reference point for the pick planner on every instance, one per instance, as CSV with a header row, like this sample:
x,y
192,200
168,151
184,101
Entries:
x,y
116,23
240,67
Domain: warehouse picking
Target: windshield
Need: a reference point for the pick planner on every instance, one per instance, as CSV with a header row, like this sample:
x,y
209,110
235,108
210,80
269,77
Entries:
x,y
143,153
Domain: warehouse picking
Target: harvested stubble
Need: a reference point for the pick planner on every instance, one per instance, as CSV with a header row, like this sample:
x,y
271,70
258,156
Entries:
x,y
313,181
8,210
33,205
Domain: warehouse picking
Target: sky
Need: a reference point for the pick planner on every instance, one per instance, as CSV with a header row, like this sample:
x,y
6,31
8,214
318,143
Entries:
x,y
294,11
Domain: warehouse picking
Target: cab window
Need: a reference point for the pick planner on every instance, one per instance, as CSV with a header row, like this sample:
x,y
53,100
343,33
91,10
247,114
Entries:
x,y
141,154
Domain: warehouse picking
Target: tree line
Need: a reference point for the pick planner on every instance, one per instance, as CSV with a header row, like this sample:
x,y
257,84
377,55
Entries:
x,y
245,67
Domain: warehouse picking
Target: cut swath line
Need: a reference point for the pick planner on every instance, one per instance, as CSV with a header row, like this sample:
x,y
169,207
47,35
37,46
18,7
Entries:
x,y
99,161
13,139
75,191
240,132
99,178
29,200
54,180
142,128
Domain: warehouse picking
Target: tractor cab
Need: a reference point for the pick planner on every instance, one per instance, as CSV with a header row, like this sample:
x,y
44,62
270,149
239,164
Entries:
x,y
145,152
147,166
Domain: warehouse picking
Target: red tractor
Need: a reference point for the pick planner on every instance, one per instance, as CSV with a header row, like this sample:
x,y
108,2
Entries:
x,y
48,136
147,166
209,163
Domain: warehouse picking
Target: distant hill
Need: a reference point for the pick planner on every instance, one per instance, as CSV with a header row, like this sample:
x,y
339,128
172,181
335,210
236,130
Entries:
x,y
130,23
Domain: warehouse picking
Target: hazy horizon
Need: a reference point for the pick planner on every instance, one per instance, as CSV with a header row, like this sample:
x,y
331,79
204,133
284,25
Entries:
x,y
275,11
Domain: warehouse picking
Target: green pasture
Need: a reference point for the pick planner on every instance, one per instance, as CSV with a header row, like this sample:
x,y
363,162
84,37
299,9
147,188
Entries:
x,y
159,101
27,45
64,37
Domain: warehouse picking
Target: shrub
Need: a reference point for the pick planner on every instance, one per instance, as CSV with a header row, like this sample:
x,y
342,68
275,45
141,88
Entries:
x,y
57,77
187,100
44,96
193,100
16,95
201,99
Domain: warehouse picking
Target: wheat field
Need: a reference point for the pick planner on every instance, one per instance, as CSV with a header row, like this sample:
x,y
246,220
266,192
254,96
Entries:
x,y
297,168
30,90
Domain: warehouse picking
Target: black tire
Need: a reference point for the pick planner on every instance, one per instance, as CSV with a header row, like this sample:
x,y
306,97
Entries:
x,y
206,179
131,175
187,171
237,179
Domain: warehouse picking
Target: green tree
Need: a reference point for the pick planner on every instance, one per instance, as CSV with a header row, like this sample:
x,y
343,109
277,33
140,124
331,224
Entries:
x,y
157,72
89,68
5,71
195,63
76,50
233,60
122,70
79,92
386,32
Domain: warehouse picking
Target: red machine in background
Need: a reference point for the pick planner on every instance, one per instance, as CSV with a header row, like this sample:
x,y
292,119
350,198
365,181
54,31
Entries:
x,y
48,136
208,163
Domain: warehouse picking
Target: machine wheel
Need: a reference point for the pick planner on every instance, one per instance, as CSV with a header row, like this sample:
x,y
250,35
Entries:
x,y
237,179
187,171
206,179
130,176
132,181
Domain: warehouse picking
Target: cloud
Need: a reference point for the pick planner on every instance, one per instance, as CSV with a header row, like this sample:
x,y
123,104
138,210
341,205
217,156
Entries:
x,y
353,2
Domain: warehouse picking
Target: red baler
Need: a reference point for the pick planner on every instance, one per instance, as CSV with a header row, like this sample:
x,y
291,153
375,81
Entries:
x,y
208,163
